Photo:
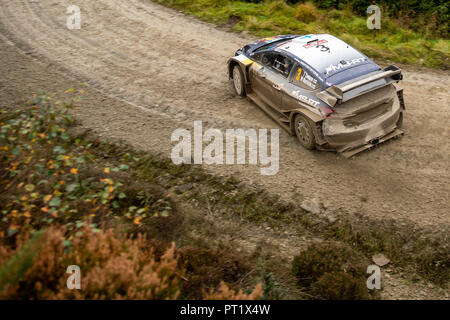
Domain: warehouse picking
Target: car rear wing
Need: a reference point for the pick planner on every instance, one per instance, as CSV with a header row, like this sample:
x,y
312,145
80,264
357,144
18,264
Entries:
x,y
347,91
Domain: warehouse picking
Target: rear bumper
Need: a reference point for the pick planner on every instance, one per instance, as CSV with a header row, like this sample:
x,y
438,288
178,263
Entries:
x,y
354,139
352,152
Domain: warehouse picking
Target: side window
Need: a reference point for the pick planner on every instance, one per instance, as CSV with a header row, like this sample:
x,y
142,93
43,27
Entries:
x,y
277,62
304,79
257,57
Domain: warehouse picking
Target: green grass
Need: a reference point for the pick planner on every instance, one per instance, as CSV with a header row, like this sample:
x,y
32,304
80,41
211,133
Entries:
x,y
393,42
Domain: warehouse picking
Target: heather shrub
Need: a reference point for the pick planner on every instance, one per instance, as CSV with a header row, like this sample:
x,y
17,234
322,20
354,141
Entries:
x,y
340,285
320,258
13,266
113,266
272,290
225,293
205,269
331,270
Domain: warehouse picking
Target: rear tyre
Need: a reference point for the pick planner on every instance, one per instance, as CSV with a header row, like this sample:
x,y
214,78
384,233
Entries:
x,y
238,81
304,132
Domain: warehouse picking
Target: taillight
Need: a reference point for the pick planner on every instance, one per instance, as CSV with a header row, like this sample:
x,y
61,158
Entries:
x,y
326,112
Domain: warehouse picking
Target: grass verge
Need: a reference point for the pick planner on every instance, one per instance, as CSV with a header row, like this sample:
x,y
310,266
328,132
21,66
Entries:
x,y
78,187
266,18
62,204
417,250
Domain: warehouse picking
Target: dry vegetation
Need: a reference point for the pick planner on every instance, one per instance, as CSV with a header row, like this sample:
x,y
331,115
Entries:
x,y
69,198
58,208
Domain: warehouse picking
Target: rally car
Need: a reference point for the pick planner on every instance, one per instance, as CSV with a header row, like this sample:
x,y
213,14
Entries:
x,y
321,89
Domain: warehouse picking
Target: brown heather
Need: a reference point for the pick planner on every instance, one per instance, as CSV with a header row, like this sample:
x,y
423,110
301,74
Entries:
x,y
112,266
225,293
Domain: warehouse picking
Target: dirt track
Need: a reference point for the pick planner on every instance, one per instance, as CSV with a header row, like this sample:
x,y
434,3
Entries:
x,y
170,69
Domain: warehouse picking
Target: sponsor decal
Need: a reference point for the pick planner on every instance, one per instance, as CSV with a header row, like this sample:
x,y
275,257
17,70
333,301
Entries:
x,y
309,80
244,60
299,73
343,64
314,44
268,40
305,99
256,66
306,78
323,48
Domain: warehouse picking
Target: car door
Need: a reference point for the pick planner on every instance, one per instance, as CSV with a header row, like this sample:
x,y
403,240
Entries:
x,y
269,76
302,86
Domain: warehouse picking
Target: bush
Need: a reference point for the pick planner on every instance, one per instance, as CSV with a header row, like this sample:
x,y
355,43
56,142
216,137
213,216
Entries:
x,y
225,293
321,258
13,266
272,290
340,286
277,8
306,12
112,266
205,269
331,270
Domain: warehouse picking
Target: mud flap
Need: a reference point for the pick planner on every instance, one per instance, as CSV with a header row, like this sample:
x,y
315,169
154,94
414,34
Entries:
x,y
374,142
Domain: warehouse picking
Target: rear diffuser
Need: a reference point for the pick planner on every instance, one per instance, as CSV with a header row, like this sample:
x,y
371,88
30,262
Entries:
x,y
374,142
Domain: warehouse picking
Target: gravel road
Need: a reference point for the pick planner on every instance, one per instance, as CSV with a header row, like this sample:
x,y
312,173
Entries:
x,y
161,70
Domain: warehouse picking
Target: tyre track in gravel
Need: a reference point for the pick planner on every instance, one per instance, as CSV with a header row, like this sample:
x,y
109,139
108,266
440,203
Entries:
x,y
174,66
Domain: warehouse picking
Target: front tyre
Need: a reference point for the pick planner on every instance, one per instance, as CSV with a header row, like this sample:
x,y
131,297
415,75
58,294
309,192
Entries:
x,y
238,81
304,132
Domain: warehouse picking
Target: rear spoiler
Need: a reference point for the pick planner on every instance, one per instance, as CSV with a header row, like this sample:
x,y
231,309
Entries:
x,y
391,74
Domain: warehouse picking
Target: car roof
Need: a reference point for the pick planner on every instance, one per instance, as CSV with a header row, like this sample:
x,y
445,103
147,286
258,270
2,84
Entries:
x,y
328,56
